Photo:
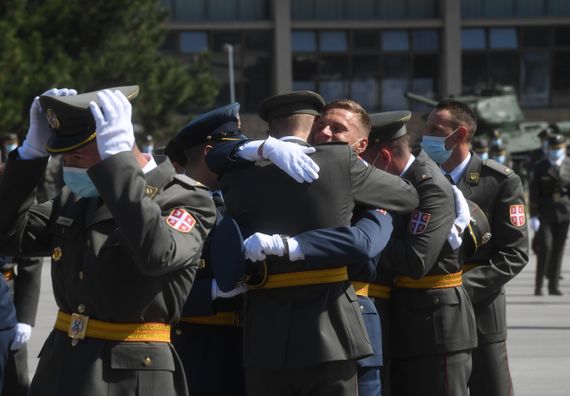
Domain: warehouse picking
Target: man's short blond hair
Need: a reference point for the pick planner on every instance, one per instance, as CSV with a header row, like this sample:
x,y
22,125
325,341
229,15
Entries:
x,y
353,107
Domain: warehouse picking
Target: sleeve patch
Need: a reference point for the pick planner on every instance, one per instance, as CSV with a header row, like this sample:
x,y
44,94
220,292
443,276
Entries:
x,y
181,220
418,222
517,215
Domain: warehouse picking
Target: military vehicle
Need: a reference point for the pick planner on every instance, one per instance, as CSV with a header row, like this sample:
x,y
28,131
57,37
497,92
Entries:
x,y
497,108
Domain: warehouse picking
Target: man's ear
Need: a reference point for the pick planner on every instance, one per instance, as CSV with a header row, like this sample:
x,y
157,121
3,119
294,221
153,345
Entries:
x,y
207,149
459,136
361,145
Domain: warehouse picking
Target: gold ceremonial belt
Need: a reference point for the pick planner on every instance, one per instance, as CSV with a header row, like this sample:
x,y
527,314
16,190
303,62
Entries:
x,y
430,281
305,278
219,319
361,288
470,266
8,274
79,327
380,291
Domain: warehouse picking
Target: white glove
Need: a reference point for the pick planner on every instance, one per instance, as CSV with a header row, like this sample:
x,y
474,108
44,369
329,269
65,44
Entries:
x,y
463,216
292,158
22,336
217,293
259,245
295,250
39,132
454,239
114,128
534,223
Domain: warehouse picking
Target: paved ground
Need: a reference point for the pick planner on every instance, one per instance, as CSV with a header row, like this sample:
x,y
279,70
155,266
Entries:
x,y
538,345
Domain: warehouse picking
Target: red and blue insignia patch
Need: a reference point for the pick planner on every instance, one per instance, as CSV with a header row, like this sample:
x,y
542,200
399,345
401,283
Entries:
x,y
419,222
517,215
181,220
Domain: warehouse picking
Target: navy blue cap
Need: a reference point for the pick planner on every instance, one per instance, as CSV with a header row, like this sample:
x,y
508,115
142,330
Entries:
x,y
217,125
228,254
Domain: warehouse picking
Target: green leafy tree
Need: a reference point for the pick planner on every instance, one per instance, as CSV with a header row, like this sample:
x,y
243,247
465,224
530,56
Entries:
x,y
93,44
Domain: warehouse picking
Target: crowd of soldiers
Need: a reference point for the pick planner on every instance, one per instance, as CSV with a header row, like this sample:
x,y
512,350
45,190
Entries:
x,y
330,258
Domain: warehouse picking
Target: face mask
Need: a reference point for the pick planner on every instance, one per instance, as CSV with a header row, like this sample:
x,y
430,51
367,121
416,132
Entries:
x,y
500,158
555,155
484,156
10,147
545,147
434,146
79,182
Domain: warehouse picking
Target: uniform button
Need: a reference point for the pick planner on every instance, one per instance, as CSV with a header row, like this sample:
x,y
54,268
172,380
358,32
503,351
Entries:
x,y
178,331
74,343
435,300
147,361
362,308
81,308
80,275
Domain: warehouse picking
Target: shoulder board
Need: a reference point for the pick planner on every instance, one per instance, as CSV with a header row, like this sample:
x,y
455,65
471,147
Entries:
x,y
420,174
188,182
498,167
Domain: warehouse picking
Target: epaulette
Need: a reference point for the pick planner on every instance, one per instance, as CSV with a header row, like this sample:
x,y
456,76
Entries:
x,y
498,167
188,182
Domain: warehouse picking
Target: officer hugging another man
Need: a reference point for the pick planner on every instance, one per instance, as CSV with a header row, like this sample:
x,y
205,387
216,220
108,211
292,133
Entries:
x,y
327,259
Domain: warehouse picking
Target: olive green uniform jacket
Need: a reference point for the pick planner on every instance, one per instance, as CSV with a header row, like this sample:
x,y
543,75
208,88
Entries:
x,y
303,326
120,261
427,321
498,192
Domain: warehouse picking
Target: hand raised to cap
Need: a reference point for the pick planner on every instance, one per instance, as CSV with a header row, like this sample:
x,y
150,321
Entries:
x,y
113,123
39,132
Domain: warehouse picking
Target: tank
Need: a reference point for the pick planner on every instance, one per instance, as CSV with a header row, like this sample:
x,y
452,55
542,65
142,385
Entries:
x,y
498,109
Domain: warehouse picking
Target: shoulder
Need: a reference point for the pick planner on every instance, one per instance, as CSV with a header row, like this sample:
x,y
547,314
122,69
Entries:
x,y
187,183
498,169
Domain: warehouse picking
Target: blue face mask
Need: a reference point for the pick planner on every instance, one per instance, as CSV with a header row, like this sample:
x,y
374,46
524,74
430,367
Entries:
x,y
11,147
434,146
555,155
545,147
79,182
500,158
484,155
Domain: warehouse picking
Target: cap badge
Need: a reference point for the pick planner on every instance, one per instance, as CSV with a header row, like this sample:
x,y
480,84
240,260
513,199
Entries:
x,y
52,119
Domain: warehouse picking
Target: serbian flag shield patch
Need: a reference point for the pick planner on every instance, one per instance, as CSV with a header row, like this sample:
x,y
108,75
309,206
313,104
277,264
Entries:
x,y
517,215
419,222
181,220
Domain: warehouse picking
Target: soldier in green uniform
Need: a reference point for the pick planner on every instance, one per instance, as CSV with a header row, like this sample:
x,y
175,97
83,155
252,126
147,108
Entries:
x,y
303,328
432,321
208,337
125,237
481,148
550,212
498,192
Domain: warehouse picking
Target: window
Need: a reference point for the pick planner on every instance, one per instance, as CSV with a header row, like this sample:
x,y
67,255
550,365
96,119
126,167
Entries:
x,y
473,39
199,10
372,66
193,42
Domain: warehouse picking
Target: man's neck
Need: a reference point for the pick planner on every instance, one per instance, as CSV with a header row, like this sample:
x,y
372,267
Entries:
x,y
457,157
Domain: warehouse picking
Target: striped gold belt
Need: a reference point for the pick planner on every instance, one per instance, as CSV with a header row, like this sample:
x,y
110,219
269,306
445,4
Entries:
x,y
219,319
79,327
305,278
380,291
430,281
361,288
8,274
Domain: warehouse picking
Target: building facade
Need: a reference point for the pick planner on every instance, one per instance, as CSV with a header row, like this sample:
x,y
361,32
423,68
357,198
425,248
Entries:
x,y
375,50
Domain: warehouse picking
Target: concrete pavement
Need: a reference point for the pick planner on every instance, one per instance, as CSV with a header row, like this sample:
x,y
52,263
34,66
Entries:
x,y
538,344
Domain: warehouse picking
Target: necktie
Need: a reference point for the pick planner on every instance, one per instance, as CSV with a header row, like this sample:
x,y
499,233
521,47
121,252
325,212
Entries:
x,y
448,177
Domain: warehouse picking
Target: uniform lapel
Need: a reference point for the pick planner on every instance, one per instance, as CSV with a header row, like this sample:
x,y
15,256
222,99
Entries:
x,y
471,176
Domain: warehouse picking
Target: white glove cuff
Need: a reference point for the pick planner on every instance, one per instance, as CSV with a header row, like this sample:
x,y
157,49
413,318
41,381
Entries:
x,y
214,292
116,148
29,152
454,239
295,251
249,150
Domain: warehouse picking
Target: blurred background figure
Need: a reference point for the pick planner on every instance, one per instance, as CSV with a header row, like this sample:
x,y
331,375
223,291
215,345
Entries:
x,y
499,153
481,148
148,144
550,213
